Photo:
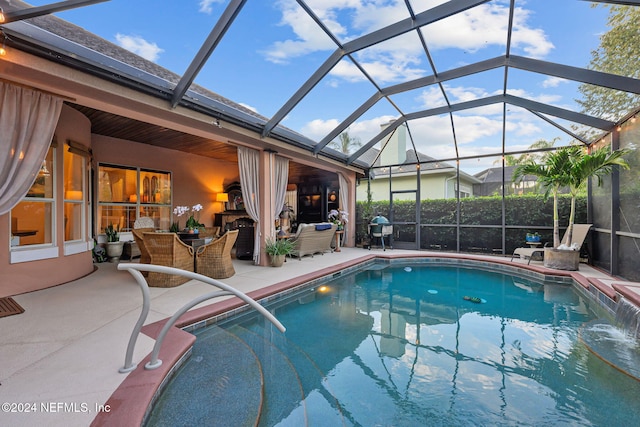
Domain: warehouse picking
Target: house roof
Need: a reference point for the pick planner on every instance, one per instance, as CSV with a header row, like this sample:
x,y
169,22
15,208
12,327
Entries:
x,y
477,86
494,175
428,165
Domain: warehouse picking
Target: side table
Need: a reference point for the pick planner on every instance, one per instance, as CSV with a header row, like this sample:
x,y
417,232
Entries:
x,y
338,234
131,250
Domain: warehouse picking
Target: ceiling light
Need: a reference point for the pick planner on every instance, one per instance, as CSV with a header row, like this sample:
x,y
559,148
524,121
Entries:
x,y
633,119
2,17
3,51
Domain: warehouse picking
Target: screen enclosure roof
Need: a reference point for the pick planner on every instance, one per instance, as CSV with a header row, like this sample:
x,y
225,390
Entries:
x,y
452,80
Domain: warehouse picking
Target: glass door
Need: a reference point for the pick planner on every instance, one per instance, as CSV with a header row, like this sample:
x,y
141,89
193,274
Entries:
x,y
404,217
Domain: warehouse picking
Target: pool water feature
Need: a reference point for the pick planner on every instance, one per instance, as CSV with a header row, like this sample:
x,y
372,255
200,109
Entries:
x,y
617,343
389,346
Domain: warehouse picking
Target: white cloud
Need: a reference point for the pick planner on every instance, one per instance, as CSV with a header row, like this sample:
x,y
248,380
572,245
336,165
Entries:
x,y
139,46
400,58
546,98
318,129
431,97
249,107
384,71
364,129
553,82
309,37
206,5
486,25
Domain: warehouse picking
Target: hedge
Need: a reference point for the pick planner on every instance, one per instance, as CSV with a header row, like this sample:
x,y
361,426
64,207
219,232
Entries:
x,y
523,214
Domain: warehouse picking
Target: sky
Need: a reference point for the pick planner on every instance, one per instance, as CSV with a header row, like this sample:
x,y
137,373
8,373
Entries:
x,y
273,47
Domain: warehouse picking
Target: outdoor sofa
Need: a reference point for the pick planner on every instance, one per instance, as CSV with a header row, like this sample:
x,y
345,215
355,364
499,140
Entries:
x,y
312,239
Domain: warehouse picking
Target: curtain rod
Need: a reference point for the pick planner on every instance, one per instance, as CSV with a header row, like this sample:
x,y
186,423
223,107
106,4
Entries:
x,y
63,97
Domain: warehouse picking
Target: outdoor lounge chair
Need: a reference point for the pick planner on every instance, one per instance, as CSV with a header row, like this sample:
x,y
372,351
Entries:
x,y
214,259
579,235
312,239
167,249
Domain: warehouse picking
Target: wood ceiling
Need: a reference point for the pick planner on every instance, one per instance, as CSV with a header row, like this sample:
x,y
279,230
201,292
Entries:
x,y
115,126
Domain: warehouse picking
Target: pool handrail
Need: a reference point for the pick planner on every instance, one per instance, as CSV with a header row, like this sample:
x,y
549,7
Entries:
x,y
135,270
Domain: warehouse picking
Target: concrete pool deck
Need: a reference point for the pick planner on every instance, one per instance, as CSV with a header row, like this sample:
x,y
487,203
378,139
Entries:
x,y
60,358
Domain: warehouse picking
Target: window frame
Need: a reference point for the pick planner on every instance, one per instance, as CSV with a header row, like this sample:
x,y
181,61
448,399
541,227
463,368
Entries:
x,y
40,251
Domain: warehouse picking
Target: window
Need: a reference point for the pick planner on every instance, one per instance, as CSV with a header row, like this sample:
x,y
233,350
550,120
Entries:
x,y
126,193
32,220
74,197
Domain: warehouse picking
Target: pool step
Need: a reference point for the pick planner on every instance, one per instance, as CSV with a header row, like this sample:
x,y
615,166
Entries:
x,y
315,387
220,384
283,394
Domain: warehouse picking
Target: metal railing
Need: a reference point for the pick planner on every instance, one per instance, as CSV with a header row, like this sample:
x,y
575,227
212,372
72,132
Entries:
x,y
135,269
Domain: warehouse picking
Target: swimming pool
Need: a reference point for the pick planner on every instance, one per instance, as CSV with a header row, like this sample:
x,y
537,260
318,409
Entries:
x,y
399,344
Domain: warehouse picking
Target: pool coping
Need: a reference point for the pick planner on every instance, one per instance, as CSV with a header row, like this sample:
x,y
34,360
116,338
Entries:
x,y
132,400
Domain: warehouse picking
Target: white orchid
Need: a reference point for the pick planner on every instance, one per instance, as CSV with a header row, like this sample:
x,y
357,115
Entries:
x,y
192,221
338,217
180,210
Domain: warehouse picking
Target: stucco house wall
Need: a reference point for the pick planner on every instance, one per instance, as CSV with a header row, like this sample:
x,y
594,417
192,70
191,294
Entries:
x,y
432,186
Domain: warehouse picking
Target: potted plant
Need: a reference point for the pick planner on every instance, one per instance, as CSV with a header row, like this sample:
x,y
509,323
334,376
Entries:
x,y
533,237
192,225
278,249
569,167
114,245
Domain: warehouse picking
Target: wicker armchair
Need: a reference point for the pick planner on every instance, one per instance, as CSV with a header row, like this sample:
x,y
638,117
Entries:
x,y
212,232
138,236
168,250
214,259
144,222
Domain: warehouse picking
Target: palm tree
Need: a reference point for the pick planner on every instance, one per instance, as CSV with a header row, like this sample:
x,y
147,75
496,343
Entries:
x,y
541,144
598,164
552,174
569,167
346,142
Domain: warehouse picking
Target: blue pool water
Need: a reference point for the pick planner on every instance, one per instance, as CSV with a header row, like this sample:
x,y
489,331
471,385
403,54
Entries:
x,y
397,346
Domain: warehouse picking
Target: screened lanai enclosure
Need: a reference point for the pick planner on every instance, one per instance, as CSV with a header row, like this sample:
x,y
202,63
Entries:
x,y
434,103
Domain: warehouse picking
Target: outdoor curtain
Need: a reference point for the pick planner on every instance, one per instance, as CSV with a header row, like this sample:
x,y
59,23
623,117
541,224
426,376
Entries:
x,y
249,165
280,178
28,119
344,202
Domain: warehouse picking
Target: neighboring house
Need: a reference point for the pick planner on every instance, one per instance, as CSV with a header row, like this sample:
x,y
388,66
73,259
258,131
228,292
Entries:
x,y
491,182
437,179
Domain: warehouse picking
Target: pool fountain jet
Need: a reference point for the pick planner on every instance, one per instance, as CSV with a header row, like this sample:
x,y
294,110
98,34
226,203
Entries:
x,y
628,318
617,345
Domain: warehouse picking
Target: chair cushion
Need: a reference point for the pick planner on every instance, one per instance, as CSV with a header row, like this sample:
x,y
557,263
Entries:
x,y
320,227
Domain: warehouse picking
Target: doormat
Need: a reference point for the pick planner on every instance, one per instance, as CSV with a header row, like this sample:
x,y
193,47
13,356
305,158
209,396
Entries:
x,y
8,307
